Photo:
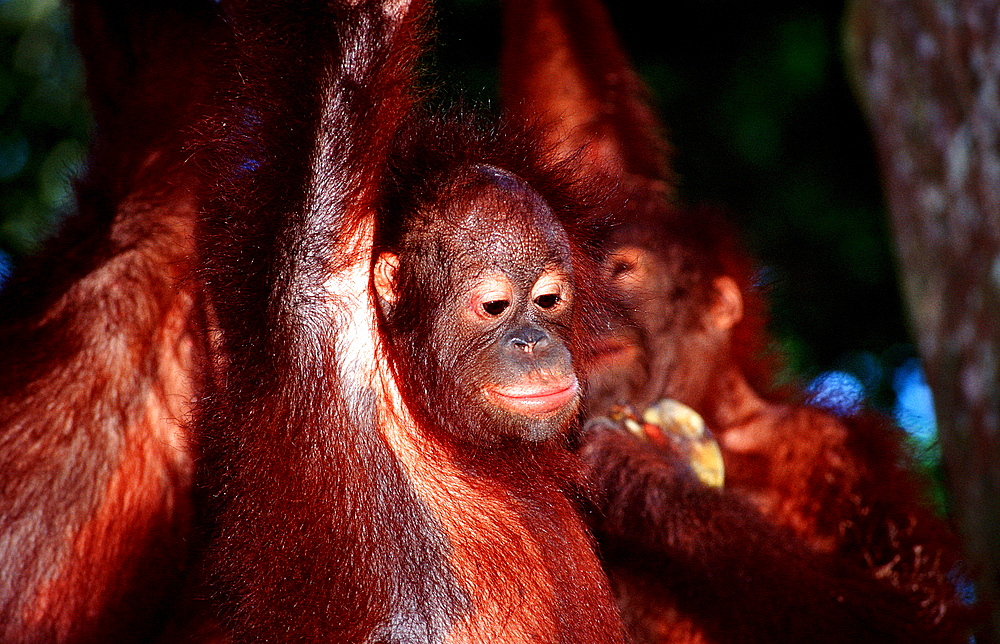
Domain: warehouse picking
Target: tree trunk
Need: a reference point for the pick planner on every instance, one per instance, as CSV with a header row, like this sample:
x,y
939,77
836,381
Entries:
x,y
928,73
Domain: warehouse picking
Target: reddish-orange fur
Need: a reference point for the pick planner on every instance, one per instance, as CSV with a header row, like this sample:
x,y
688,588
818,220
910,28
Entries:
x,y
100,345
336,527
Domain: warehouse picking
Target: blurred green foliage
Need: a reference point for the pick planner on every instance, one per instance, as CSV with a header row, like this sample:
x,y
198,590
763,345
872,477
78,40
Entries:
x,y
758,111
44,121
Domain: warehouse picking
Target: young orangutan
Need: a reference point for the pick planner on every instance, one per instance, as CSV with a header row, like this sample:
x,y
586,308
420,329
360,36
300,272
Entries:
x,y
397,300
814,507
818,532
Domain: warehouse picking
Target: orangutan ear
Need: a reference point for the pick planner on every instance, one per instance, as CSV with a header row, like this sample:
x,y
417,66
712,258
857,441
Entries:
x,y
726,309
385,276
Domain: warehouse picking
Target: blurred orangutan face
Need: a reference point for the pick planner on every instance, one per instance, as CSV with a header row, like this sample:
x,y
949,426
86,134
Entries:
x,y
666,349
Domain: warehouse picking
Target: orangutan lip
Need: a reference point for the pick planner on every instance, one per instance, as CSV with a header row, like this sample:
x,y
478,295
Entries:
x,y
537,400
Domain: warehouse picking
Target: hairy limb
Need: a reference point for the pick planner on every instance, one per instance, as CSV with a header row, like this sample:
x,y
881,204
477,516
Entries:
x,y
99,349
730,569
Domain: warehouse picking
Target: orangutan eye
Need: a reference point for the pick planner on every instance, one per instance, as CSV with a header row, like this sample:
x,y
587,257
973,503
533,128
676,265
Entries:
x,y
548,300
496,307
491,297
620,268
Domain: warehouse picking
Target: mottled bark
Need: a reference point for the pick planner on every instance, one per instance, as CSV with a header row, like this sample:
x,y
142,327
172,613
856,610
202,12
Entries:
x,y
928,73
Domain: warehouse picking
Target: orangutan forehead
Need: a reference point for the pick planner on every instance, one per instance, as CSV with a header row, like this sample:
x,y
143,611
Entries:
x,y
498,219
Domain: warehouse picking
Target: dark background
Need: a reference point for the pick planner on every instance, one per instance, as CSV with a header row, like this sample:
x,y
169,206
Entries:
x,y
758,108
